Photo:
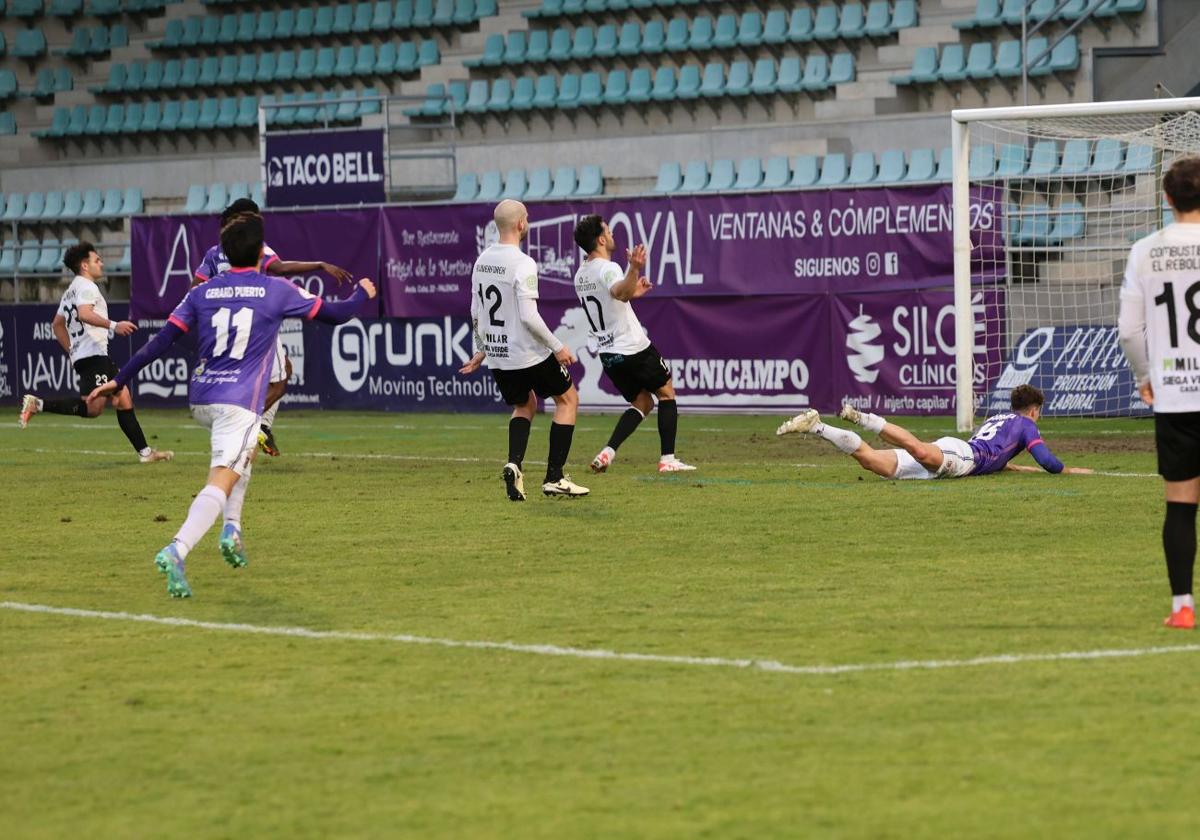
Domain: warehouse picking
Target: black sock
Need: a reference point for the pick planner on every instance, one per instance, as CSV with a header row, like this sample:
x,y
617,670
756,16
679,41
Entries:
x,y
77,408
1179,544
127,420
560,448
518,440
626,425
668,422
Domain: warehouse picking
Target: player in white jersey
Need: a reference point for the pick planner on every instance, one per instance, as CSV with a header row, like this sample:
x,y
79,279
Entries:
x,y
528,362
1159,328
82,327
630,361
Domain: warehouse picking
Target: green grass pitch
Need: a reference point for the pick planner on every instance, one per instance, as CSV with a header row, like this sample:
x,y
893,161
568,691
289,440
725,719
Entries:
x,y
776,549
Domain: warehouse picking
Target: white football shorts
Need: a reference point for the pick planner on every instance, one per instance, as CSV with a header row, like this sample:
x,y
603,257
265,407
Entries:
x,y
234,434
279,366
957,461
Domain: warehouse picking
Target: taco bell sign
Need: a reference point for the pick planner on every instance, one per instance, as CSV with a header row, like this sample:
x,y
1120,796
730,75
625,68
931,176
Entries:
x,y
313,169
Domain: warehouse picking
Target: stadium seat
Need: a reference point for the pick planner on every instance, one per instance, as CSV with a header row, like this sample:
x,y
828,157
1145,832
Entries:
x,y
583,45
500,99
522,98
29,43
664,85
726,32
816,72
921,166
852,23
97,117
151,118
1063,58
606,41
493,51
8,258
111,209
93,201
52,209
833,170
953,64
891,167
677,35
904,15
749,174
639,85
800,25
568,91
791,75
775,174
688,86
428,53
987,14
700,36
227,112
775,27
670,178
654,38
206,120
979,61
750,30
713,83
695,176
477,97
841,69
65,8
564,182
49,260
862,169
326,63
15,208
405,60
132,123
1076,157
114,119
1107,157
545,93
1070,222
738,81
345,63
591,182
763,80
825,23
468,187
983,163
1030,226
878,23
27,259
1008,60
539,183
805,171
238,190
1043,159
1011,162
591,90
72,205
924,68
537,49
491,185
616,88
722,177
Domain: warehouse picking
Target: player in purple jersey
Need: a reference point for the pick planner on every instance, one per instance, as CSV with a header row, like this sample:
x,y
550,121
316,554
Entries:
x,y
1000,439
215,262
236,317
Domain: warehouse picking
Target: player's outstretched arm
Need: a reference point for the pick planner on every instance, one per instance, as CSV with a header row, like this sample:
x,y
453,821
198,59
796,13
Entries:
x,y
339,312
287,268
154,348
88,314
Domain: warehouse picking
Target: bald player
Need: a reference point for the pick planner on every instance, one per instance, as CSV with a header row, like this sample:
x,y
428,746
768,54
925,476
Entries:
x,y
528,362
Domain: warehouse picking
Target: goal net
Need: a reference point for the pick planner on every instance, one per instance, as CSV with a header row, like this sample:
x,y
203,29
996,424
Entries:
x,y
1069,188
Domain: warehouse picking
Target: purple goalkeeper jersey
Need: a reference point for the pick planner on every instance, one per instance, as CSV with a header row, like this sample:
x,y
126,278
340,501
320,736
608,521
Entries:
x,y
215,262
1000,439
236,316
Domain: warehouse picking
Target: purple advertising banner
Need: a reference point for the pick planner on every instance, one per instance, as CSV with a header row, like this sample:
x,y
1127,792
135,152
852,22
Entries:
x,y
819,241
324,168
167,250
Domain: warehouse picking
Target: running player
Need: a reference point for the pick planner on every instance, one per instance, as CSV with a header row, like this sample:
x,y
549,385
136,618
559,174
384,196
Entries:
x,y
83,328
1157,329
526,359
236,316
1000,439
631,363
215,262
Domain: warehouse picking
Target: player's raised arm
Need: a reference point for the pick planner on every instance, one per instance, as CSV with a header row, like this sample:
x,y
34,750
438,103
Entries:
x,y
633,285
179,323
286,268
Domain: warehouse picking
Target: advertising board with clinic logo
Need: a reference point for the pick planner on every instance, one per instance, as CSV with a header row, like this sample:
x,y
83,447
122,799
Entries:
x,y
899,349
325,168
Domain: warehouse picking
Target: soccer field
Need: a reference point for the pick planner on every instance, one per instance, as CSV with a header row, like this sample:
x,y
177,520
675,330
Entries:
x,y
777,645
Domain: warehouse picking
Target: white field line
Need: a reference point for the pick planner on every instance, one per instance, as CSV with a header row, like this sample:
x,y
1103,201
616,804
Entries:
x,y
609,655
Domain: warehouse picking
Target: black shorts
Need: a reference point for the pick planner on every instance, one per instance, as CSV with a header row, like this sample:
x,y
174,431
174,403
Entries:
x,y
645,370
1177,438
93,372
547,379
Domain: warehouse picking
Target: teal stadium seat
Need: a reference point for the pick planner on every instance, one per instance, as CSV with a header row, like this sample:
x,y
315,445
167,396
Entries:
x,y
464,12
616,88
538,48
639,85
151,117
564,182
49,259
1138,159
285,66
664,85
218,199
750,30
385,59
891,167
670,178
227,111
1064,58
591,90
979,61
493,52
131,202
606,41
8,258
841,69
560,45
922,166
27,260
775,27
904,15
700,36
763,81
210,108
189,116
428,53
1011,161
113,200
791,75
695,176
523,90
64,8
172,115
52,210
93,200
477,97
726,32
15,208
29,43
545,93
749,174
209,70
1008,60
816,72
776,173
688,87
406,58
345,63
238,190
1076,157
539,184
654,38
738,81
306,65
953,64
713,84
983,163
852,23
443,13
833,170
1107,157
800,25
862,169
590,183
114,119
323,22
722,177
630,42
227,74
173,72
826,23
1043,159
568,91
514,184
987,14
72,205
381,16
584,44
468,187
878,23
97,118
326,62
677,35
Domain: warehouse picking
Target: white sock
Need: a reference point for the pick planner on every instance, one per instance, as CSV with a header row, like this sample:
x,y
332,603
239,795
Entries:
x,y
871,422
268,416
843,439
40,403
205,509
237,498
1178,602
145,452
670,457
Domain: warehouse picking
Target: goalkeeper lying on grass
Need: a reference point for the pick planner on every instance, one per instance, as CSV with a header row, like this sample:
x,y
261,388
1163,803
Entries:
x,y
1000,439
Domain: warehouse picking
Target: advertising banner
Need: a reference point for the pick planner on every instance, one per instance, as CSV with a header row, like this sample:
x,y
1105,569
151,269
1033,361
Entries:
x,y
811,242
324,168
1080,368
894,352
167,250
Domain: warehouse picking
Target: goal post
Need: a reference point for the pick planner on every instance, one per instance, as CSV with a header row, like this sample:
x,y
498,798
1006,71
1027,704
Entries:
x,y
1069,189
